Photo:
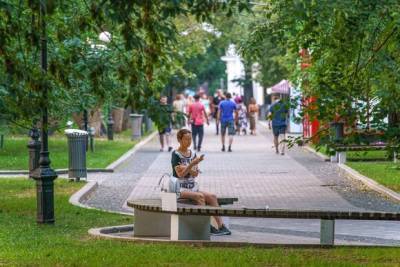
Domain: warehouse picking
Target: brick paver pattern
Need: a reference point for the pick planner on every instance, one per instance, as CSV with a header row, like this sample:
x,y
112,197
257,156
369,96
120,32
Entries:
x,y
253,173
259,178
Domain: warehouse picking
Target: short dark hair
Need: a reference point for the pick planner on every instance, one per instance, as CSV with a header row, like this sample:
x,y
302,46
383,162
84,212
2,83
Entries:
x,y
228,95
181,133
196,97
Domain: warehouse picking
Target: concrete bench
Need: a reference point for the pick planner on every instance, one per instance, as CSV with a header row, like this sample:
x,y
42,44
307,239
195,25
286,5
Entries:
x,y
341,151
191,222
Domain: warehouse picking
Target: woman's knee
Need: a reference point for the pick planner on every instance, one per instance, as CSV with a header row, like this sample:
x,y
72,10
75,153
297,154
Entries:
x,y
200,198
210,198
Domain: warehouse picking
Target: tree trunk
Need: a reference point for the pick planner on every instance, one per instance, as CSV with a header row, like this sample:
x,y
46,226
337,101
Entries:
x,y
248,82
94,120
394,119
126,123
118,117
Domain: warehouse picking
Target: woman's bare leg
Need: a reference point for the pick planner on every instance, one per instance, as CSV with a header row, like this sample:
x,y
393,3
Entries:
x,y
197,197
162,141
168,139
282,142
211,200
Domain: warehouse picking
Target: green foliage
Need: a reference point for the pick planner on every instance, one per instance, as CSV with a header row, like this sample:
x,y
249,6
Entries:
x,y
385,173
354,58
21,78
137,64
208,66
67,243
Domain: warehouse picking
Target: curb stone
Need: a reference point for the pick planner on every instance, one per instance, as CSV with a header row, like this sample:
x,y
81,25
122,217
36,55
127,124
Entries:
x,y
83,194
119,232
317,153
131,151
353,174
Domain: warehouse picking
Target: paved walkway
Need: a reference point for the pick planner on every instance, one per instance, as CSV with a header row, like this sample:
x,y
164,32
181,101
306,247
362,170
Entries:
x,y
115,188
259,178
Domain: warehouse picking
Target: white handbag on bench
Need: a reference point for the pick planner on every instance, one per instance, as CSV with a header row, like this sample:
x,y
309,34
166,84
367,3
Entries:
x,y
169,183
169,188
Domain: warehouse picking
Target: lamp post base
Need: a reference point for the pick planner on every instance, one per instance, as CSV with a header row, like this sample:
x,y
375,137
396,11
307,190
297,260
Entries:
x,y
110,125
45,194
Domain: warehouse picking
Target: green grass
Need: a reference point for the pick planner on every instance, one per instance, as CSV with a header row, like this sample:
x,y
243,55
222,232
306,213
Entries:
x,y
384,173
367,155
66,243
378,155
14,155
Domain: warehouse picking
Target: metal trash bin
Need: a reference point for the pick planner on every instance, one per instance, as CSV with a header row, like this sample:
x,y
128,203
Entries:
x,y
337,132
76,153
136,126
148,124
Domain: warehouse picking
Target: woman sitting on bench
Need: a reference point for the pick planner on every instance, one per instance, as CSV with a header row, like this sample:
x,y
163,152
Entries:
x,y
185,168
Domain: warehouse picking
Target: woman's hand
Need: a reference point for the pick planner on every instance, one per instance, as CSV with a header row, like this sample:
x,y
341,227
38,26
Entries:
x,y
197,160
194,172
180,170
183,170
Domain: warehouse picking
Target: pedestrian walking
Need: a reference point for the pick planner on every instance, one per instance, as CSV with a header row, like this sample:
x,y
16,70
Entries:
x,y
253,113
197,114
165,130
278,114
238,100
215,105
225,115
189,101
242,117
204,100
179,110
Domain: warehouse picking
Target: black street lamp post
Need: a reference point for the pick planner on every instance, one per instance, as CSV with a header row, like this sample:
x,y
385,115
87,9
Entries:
x,y
105,37
91,136
44,175
110,124
85,125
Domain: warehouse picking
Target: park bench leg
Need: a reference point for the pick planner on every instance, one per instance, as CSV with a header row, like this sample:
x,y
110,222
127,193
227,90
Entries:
x,y
327,235
151,224
342,157
186,227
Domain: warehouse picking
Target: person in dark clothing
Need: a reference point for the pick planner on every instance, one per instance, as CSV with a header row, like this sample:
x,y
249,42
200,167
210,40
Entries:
x,y
165,132
215,106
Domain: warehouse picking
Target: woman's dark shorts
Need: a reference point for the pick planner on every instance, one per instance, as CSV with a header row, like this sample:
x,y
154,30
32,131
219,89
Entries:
x,y
277,130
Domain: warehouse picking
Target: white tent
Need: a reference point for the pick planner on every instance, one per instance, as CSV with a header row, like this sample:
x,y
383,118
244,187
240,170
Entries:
x,y
283,87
